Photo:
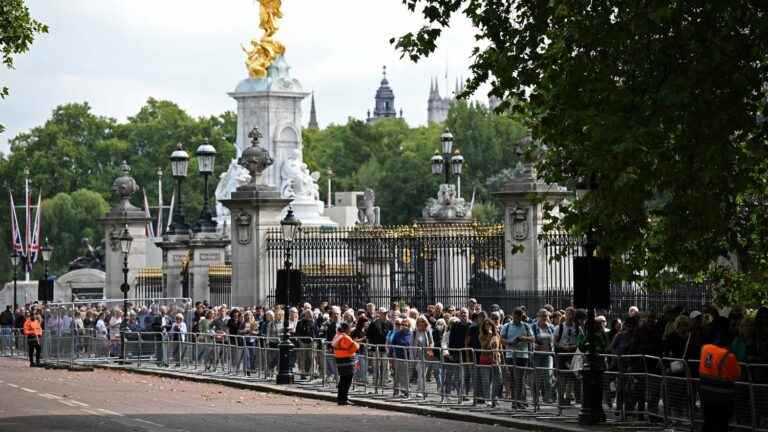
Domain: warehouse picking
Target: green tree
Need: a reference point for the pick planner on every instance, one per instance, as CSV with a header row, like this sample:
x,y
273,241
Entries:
x,y
153,134
74,149
67,220
660,103
393,159
77,150
17,32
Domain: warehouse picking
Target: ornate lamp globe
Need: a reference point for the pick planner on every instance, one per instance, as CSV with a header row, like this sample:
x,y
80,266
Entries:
x,y
437,163
446,140
457,162
125,241
15,258
179,162
290,226
206,158
47,251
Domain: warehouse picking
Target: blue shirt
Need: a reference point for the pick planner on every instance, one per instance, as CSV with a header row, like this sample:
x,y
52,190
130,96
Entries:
x,y
510,334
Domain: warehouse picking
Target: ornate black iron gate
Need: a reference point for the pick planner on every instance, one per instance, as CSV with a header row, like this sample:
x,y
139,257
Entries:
x,y
417,265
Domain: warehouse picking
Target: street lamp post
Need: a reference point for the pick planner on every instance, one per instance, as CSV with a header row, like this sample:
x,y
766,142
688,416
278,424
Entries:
x,y
47,252
15,260
206,158
125,247
330,175
592,370
179,164
290,227
449,162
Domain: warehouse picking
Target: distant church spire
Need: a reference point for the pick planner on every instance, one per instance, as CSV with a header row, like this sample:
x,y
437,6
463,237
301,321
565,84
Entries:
x,y
313,115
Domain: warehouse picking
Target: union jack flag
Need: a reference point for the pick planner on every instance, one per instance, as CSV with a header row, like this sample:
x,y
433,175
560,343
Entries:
x,y
17,243
34,244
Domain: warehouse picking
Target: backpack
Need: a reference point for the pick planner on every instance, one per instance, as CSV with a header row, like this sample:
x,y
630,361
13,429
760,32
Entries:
x,y
157,324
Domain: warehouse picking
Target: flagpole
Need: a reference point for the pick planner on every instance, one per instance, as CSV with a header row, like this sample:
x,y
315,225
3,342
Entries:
x,y
27,228
159,230
170,210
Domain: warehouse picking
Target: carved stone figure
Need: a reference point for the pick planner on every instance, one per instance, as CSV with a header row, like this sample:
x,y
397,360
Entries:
x,y
519,217
92,259
366,213
447,206
235,177
296,182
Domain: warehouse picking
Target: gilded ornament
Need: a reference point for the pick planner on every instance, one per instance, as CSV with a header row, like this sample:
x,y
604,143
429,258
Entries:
x,y
263,52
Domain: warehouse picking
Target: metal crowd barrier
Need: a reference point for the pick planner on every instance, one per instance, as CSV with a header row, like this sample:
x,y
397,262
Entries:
x,y
541,384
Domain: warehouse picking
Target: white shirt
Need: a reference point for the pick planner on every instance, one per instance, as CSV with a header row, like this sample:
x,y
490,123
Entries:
x,y
181,329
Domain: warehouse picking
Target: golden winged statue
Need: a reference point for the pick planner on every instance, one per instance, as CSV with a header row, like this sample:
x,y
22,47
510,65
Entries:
x,y
264,51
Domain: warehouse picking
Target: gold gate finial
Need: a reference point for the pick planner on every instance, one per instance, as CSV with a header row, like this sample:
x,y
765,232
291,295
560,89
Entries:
x,y
264,51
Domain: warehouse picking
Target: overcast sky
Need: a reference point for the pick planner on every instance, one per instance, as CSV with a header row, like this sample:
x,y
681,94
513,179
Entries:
x,y
115,54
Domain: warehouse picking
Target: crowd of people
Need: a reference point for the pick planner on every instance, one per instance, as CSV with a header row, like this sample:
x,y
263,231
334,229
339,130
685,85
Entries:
x,y
483,355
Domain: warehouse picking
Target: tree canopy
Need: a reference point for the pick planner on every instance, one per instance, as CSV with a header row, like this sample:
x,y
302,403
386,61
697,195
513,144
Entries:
x,y
393,159
75,156
660,103
17,32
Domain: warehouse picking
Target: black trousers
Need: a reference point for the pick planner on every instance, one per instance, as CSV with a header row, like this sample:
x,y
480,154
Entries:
x,y
716,405
346,369
34,351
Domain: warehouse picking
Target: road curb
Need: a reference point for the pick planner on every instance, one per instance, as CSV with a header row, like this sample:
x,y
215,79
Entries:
x,y
530,425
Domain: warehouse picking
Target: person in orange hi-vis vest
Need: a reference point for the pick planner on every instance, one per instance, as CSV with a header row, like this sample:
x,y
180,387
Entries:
x,y
718,371
344,349
33,331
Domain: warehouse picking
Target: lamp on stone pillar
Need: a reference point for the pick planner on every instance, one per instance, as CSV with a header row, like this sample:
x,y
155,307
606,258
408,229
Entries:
x,y
291,228
125,240
596,271
447,164
449,207
179,164
457,165
47,253
446,140
206,158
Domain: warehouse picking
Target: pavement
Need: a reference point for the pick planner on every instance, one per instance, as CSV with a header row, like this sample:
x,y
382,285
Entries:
x,y
34,399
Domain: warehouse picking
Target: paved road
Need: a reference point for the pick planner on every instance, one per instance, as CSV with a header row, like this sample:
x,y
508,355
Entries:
x,y
34,400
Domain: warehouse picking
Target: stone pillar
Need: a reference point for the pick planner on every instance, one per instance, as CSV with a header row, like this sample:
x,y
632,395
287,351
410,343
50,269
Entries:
x,y
175,255
524,198
254,212
207,250
123,215
255,207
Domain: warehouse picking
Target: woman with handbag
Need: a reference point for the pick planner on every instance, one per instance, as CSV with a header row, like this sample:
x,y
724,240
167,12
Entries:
x,y
676,369
421,352
489,372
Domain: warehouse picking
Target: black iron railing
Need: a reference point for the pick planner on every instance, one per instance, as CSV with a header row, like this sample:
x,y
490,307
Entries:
x,y
415,265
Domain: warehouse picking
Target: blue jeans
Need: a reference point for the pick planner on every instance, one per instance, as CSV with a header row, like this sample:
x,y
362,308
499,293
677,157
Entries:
x,y
6,338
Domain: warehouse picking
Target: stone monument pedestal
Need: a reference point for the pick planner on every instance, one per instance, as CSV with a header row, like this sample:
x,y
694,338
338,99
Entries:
x,y
309,215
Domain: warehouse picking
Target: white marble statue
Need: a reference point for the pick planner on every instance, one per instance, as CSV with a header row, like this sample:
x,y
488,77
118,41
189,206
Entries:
x,y
229,181
296,181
